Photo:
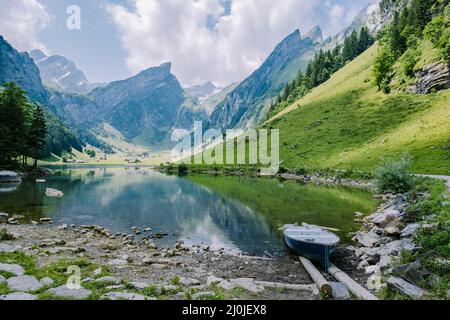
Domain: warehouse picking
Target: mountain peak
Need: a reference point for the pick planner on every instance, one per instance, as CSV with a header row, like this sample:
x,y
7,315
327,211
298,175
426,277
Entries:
x,y
292,38
203,92
291,41
60,73
315,34
37,55
167,66
163,70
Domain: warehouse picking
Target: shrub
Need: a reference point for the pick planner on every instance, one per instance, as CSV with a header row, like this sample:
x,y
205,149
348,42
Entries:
x,y
438,32
183,169
300,171
408,62
393,176
383,68
5,236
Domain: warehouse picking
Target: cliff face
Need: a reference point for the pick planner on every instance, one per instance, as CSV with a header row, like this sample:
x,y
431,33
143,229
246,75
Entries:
x,y
19,68
435,76
246,105
147,106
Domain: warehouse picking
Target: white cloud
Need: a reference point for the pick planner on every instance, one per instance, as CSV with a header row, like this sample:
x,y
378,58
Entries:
x,y
21,21
154,31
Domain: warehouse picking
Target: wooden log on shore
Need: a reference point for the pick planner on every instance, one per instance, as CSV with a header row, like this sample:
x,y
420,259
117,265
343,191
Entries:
x,y
352,285
321,283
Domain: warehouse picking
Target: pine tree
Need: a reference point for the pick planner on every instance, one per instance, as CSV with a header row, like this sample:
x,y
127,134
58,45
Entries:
x,y
420,14
337,59
354,50
346,54
365,40
12,122
397,41
37,135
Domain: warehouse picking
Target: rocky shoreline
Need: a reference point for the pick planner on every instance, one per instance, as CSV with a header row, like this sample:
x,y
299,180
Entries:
x,y
213,275
321,180
128,268
384,237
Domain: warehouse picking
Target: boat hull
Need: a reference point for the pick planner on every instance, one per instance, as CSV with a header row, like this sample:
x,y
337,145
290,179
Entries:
x,y
314,251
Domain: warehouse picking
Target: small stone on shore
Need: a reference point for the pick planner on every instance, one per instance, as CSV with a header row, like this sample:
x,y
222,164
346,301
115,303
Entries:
x,y
118,262
340,291
189,282
54,193
124,296
47,281
139,285
65,292
203,295
108,279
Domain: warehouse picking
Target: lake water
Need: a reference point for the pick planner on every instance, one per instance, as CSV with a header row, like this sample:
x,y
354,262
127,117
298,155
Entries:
x,y
238,214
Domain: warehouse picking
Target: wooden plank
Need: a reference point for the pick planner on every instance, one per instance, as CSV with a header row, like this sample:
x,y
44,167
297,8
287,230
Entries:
x,y
321,283
352,285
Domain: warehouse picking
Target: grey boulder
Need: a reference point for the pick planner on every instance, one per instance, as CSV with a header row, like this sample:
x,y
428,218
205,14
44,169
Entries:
x,y
18,296
406,288
9,176
12,268
410,230
24,283
412,272
6,248
369,239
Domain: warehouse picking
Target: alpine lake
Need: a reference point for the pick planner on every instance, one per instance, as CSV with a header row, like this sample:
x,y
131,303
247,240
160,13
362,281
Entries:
x,y
238,214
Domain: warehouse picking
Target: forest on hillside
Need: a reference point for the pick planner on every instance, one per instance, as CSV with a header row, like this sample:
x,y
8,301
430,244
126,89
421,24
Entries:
x,y
400,49
24,130
321,67
400,41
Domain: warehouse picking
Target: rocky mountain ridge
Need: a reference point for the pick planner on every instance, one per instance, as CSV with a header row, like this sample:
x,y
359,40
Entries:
x,y
59,73
247,104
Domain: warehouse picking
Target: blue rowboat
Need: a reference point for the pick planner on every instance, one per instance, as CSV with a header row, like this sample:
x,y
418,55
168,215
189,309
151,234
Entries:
x,y
312,242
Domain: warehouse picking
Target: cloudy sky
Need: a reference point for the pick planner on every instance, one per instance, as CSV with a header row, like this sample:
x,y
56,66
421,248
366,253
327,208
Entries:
x,y
218,40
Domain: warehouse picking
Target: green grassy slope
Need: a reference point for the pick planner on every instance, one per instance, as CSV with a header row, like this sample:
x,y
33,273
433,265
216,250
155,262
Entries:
x,y
347,124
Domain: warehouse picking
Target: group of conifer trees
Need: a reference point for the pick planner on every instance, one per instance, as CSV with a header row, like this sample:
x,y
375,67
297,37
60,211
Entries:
x,y
411,23
321,67
23,130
